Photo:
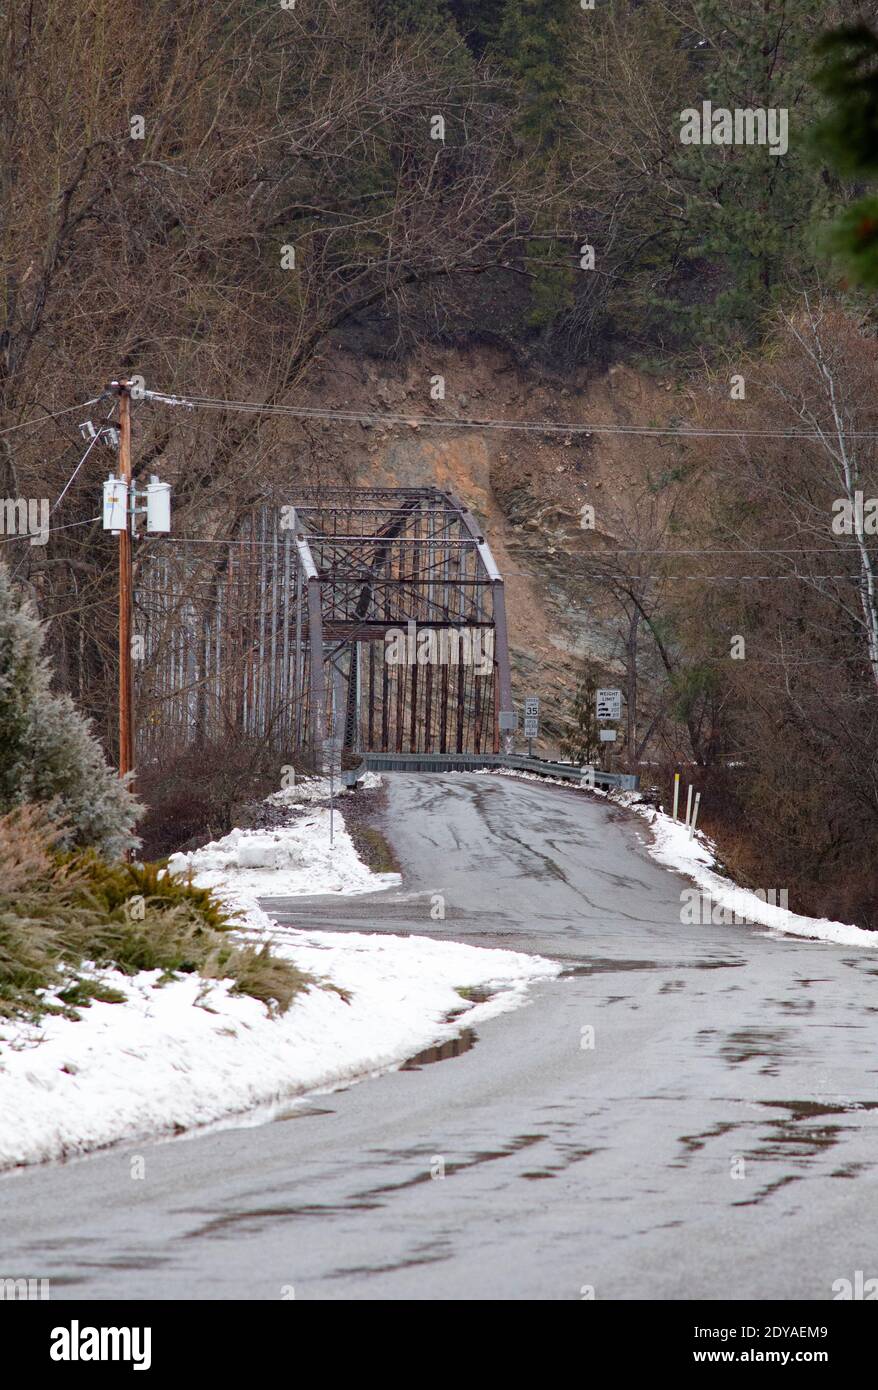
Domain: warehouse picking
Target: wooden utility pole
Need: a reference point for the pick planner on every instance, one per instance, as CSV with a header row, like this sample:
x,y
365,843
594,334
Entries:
x,y
126,717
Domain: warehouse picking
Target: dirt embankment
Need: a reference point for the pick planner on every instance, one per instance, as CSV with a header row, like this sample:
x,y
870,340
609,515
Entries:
x,y
528,488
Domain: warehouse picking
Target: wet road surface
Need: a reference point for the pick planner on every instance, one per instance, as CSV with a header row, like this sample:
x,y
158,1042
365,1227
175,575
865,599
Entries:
x,y
689,1112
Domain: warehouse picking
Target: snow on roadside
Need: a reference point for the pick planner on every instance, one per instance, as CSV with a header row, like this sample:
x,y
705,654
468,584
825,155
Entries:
x,y
697,858
189,1052
285,861
182,1054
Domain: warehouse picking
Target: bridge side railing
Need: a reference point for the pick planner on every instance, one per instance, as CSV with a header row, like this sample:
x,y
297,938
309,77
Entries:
x,y
473,762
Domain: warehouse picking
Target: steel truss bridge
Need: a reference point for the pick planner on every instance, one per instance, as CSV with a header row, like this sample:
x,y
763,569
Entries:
x,y
403,632
331,622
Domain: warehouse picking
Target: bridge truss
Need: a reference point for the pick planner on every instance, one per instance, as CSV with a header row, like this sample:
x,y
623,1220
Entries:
x,y
402,632
350,621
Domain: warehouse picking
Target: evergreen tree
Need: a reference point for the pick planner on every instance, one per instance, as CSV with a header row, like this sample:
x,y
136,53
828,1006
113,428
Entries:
x,y
849,136
582,744
534,44
478,21
535,41
747,212
49,754
20,670
411,16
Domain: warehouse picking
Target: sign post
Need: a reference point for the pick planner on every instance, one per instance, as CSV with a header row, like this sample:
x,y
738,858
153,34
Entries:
x,y
608,706
531,721
507,723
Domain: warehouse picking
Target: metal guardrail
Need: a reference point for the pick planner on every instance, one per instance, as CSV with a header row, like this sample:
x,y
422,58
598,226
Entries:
x,y
472,762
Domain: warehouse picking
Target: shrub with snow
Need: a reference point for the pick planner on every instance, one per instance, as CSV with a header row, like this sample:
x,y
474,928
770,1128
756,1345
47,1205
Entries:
x,y
48,753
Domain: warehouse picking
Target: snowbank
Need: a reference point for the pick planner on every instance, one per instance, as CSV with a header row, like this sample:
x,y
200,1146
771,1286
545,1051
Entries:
x,y
180,1055
697,858
283,862
189,1053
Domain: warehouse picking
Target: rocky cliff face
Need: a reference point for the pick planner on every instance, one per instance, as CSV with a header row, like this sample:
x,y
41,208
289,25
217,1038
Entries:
x,y
527,488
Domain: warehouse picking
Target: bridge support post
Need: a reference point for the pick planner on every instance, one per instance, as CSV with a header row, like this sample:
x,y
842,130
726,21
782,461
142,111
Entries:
x,y
318,685
501,646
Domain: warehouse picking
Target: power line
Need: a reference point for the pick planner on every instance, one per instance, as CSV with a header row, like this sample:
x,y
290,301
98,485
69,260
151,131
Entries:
x,y
68,526
726,578
58,500
527,574
41,419
247,541
453,422
755,550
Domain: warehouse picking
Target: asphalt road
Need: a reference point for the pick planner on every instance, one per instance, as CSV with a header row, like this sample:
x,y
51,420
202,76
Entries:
x,y
717,1141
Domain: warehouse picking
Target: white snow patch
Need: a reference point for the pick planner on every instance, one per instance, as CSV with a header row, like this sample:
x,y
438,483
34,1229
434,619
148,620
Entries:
x,y
303,791
285,862
189,1052
186,1054
697,858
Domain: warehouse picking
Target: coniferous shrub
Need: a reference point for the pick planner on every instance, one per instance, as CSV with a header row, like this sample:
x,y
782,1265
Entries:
x,y
48,754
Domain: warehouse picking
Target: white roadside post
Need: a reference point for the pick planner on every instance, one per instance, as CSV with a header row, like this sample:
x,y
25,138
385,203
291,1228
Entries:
x,y
694,814
336,744
688,805
676,793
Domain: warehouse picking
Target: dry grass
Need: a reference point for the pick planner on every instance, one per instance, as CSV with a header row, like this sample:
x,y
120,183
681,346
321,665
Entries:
x,y
61,912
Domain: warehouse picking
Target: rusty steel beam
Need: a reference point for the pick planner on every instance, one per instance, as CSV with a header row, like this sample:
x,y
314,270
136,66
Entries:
x,y
411,560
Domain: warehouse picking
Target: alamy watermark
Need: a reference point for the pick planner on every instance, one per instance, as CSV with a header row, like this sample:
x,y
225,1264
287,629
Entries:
x,y
699,908
25,516
859,1289
77,1343
26,1290
717,125
440,646
857,516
